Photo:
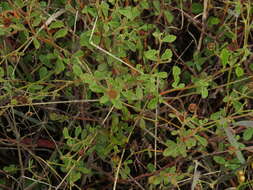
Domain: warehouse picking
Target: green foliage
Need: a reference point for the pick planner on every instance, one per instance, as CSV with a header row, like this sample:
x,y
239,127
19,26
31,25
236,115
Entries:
x,y
176,71
125,93
224,55
197,8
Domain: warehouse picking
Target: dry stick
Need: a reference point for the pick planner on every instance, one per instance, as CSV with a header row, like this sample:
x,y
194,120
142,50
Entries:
x,y
74,31
203,25
108,114
232,140
69,172
17,134
53,102
179,57
117,171
195,22
110,54
49,20
121,158
106,52
196,176
182,15
156,125
38,181
170,164
130,66
39,159
5,187
205,174
30,40
72,168
123,152
137,183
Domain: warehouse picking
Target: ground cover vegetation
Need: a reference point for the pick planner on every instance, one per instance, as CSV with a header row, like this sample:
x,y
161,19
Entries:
x,y
126,94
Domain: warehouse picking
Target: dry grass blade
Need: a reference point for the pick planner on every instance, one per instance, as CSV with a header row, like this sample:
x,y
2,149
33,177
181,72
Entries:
x,y
234,143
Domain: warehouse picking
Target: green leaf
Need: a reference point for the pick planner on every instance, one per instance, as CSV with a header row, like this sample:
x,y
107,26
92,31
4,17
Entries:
x,y
43,72
54,116
61,33
156,180
237,105
181,149
10,169
190,142
131,45
65,132
84,170
84,38
247,134
126,12
19,3
2,31
151,54
90,10
167,55
36,43
213,21
139,93
10,71
87,78
197,8
162,75
35,87
117,103
94,87
104,7
144,4
78,131
175,83
1,72
217,115
77,70
239,71
156,4
181,85
78,53
201,140
251,66
204,92
135,12
171,151
5,6
169,17
59,66
151,167
129,95
157,34
36,21
74,176
56,24
225,54
115,122
169,38
153,103
219,160
176,71
142,123
100,74
114,23
104,99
